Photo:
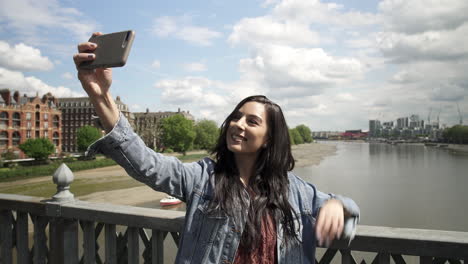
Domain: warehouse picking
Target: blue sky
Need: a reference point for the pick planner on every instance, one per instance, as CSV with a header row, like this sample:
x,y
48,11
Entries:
x,y
331,65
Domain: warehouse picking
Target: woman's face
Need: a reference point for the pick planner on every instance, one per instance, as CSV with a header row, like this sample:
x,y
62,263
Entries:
x,y
247,131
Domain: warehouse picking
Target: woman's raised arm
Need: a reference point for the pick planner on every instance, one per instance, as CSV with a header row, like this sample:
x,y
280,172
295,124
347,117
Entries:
x,y
97,83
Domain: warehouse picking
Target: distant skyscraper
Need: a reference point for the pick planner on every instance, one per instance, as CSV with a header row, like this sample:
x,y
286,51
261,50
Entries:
x,y
402,122
374,128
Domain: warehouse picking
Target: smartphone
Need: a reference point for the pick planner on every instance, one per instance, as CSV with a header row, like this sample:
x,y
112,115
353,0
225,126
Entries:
x,y
112,50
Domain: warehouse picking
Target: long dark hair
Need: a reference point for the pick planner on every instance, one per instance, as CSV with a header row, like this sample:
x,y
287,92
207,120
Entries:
x,y
270,182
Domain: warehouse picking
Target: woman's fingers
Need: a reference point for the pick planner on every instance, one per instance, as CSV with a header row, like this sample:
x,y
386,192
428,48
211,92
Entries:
x,y
80,57
330,222
86,47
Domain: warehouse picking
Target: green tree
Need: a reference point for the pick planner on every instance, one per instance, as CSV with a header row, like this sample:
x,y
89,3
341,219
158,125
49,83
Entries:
x,y
291,138
305,133
9,155
37,148
456,134
296,136
177,133
86,135
206,134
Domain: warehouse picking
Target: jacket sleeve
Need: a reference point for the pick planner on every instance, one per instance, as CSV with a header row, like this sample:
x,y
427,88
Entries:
x,y
162,173
352,209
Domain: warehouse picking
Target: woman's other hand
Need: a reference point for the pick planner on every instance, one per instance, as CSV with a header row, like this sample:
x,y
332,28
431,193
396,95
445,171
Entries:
x,y
330,222
95,82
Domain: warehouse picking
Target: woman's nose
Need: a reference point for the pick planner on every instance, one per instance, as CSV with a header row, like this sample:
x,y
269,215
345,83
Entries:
x,y
240,123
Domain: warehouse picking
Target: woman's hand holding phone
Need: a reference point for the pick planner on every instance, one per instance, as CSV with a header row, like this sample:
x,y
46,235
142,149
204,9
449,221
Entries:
x,y
97,84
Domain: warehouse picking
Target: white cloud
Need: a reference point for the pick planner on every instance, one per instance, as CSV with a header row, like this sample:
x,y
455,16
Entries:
x,y
345,97
29,18
181,28
23,57
429,45
418,16
448,92
68,76
194,67
204,97
156,64
406,76
267,30
31,85
136,108
299,71
314,11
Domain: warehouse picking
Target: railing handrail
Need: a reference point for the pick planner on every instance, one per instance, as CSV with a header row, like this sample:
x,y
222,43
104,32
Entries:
x,y
171,221
408,241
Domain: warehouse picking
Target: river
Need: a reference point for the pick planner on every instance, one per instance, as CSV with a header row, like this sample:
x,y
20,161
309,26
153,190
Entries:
x,y
406,185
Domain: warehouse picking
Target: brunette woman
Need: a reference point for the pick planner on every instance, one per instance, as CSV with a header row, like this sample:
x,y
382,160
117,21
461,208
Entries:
x,y
245,206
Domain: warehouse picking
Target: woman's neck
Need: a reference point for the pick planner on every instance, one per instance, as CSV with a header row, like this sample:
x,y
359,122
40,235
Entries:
x,y
246,166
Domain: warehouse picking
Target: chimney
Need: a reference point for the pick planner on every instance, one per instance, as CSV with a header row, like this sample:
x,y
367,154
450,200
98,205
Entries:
x,y
6,96
16,96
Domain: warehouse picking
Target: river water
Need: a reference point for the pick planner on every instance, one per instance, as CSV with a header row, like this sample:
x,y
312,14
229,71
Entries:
x,y
406,185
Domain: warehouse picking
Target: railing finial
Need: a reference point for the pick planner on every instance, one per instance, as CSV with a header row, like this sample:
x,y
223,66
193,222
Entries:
x,y
63,177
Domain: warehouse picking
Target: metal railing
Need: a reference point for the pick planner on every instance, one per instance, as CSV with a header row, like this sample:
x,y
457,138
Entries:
x,y
34,230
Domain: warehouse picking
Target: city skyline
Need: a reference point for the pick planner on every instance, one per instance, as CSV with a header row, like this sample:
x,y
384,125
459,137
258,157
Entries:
x,y
331,65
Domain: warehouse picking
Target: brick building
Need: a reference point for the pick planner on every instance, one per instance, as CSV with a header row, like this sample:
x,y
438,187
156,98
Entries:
x,y
23,117
78,112
147,125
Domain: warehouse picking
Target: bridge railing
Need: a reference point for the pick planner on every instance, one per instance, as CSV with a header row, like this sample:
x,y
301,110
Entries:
x,y
65,230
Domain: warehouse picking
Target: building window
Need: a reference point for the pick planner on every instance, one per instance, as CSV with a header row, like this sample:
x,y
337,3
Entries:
x,y
3,120
28,124
28,116
56,121
56,139
28,134
16,119
46,134
3,138
16,138
38,119
46,116
46,124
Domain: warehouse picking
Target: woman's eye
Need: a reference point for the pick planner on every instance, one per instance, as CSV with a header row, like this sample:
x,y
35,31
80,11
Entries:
x,y
253,122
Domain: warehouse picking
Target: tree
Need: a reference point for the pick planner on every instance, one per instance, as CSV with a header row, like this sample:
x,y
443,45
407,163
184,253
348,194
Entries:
x,y
86,135
206,134
37,148
177,133
456,134
9,155
296,136
305,133
291,138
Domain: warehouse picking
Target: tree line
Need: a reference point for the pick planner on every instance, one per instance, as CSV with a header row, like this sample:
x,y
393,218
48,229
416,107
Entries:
x,y
178,135
456,134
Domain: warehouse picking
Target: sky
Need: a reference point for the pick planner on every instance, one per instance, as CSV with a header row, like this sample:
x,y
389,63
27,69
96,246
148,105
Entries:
x,y
331,65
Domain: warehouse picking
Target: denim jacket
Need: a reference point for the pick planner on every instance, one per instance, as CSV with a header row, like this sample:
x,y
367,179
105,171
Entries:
x,y
210,237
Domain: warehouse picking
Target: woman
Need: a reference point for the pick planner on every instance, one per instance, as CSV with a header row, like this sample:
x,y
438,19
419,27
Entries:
x,y
243,207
